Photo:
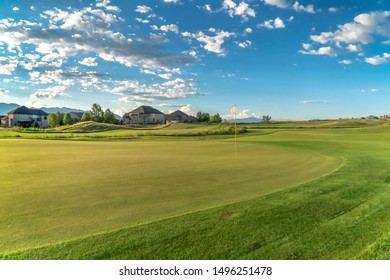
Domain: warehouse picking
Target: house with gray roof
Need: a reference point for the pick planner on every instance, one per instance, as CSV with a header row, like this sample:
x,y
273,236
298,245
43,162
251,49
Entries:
x,y
25,117
144,115
180,117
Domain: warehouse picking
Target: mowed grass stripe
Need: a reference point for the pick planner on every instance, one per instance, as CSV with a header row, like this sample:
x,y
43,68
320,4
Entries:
x,y
58,190
341,216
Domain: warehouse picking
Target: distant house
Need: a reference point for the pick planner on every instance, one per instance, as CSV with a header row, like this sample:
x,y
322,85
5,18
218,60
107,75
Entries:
x,y
77,115
3,120
144,115
180,117
25,117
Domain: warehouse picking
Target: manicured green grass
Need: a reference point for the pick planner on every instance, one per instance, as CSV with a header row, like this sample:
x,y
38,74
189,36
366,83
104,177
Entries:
x,y
58,190
343,215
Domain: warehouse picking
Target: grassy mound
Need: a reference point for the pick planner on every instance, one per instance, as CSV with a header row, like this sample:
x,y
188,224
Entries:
x,y
85,127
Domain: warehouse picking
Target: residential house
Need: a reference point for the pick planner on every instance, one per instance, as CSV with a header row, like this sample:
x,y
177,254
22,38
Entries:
x,y
3,120
77,115
180,117
144,115
25,117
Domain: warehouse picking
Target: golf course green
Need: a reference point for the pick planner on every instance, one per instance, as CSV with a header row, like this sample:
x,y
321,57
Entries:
x,y
315,192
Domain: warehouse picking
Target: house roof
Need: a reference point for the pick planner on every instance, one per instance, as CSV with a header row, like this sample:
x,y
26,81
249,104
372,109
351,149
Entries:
x,y
77,115
178,113
23,110
145,110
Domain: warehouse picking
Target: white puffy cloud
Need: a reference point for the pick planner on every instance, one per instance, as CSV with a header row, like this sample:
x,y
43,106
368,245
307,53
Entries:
x,y
3,91
15,9
346,61
171,1
248,30
361,30
365,29
247,114
211,43
89,61
300,8
143,9
333,10
245,44
88,31
173,89
189,109
376,60
329,51
49,93
273,23
241,9
278,3
8,64
171,27
207,7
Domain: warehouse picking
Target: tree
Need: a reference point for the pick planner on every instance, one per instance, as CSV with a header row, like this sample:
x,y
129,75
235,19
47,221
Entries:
x,y
108,116
266,119
86,117
53,120
203,117
60,117
96,113
216,119
67,120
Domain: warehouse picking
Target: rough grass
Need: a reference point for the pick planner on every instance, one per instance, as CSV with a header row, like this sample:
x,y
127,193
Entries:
x,y
99,131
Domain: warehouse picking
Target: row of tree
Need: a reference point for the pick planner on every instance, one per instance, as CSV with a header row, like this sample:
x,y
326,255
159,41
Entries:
x,y
205,117
96,114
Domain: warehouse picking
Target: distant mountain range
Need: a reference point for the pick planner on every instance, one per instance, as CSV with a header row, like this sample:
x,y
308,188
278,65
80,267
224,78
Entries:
x,y
247,120
7,107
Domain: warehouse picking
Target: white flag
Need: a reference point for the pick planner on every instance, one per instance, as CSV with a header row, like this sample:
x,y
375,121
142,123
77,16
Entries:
x,y
233,110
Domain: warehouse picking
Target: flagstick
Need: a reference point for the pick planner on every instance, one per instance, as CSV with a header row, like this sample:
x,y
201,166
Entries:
x,y
235,132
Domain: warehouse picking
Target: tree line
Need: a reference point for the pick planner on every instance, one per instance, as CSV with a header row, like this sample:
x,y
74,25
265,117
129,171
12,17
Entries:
x,y
205,117
96,114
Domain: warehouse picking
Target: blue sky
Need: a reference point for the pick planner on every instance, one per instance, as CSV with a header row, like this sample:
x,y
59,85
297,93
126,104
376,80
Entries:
x,y
293,60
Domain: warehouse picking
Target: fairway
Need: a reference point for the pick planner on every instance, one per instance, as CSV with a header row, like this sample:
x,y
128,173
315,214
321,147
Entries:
x,y
53,191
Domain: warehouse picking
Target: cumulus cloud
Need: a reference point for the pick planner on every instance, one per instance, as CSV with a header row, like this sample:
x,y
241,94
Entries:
x,y
49,93
245,44
89,61
171,27
173,89
143,9
352,37
376,60
189,109
362,30
8,64
307,49
3,91
246,114
87,31
211,43
300,8
346,62
241,9
273,23
278,3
